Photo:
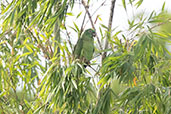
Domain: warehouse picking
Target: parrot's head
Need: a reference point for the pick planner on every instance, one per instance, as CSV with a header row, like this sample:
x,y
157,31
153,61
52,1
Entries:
x,y
90,32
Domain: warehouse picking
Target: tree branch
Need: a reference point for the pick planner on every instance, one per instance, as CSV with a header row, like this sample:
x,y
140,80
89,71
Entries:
x,y
92,24
159,24
82,28
98,8
44,50
109,27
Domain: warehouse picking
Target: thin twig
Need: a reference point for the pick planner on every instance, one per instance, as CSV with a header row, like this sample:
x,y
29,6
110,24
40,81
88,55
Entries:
x,y
81,30
92,24
50,50
7,32
69,40
159,24
97,72
7,2
39,45
97,9
153,27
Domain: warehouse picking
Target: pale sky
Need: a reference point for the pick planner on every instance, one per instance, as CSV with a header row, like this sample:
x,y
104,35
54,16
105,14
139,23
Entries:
x,y
120,16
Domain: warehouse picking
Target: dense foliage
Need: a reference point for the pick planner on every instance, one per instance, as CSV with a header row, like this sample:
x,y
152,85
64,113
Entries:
x,y
38,73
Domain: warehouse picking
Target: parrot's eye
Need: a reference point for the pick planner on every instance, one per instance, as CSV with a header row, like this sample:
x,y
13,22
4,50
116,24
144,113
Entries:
x,y
93,33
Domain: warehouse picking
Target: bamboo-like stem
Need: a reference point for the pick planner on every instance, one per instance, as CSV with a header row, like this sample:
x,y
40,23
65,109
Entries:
x,y
106,43
109,27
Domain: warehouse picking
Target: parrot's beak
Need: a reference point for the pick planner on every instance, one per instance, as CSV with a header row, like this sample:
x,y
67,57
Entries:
x,y
94,34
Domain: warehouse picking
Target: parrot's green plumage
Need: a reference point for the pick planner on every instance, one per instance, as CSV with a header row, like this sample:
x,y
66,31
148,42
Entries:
x,y
84,48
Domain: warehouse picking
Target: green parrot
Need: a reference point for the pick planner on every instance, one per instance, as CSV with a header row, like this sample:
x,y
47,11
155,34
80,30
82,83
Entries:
x,y
84,48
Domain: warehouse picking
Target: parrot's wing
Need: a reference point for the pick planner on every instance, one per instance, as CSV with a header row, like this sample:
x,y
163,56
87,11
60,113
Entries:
x,y
88,48
78,48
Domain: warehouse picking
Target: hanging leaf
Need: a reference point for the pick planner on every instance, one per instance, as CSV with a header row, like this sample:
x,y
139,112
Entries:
x,y
124,4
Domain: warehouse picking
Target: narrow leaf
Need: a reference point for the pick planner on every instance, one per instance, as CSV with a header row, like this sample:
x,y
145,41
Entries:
x,y
163,7
124,4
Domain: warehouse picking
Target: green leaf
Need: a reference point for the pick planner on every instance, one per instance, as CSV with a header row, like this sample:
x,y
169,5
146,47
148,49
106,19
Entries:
x,y
68,70
163,6
76,26
104,26
6,9
73,28
25,54
2,94
156,21
35,19
79,15
130,1
3,42
103,81
124,4
12,17
139,3
29,48
74,83
70,14
151,15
